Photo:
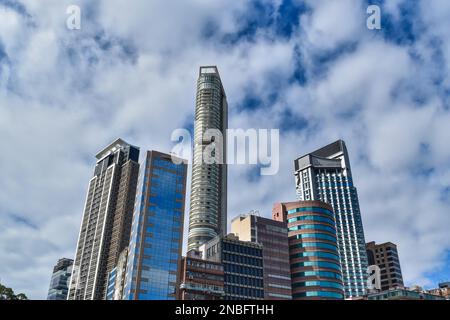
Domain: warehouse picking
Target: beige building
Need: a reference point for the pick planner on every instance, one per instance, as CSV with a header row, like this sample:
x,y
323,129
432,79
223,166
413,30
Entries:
x,y
273,236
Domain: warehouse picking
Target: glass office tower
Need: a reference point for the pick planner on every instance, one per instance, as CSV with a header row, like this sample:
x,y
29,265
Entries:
x,y
325,175
208,206
157,230
59,285
313,252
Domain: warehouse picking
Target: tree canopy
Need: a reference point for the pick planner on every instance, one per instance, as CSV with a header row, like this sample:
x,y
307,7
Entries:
x,y
8,294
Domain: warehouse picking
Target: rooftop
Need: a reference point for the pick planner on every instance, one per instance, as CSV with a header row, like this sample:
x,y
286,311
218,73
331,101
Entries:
x,y
113,146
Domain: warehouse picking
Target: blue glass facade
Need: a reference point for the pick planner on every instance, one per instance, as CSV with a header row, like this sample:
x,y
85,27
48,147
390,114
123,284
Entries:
x,y
111,284
59,284
157,230
313,250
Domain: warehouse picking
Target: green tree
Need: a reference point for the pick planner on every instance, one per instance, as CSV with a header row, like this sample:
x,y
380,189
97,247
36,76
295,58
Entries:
x,y
8,294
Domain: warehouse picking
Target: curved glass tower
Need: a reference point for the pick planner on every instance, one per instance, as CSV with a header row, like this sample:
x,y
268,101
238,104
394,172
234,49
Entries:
x,y
313,252
208,202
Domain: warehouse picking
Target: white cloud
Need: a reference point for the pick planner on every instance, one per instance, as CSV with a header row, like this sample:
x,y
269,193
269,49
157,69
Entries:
x,y
131,72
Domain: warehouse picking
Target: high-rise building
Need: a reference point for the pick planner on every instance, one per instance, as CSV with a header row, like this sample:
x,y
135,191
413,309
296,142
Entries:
x,y
200,279
242,264
325,175
208,201
59,284
105,228
273,236
385,256
313,252
154,253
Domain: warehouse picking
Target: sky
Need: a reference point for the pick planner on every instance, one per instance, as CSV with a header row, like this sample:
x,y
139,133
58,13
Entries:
x,y
310,68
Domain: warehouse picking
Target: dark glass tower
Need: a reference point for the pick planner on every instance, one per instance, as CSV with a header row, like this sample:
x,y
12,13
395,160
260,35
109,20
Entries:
x,y
154,253
242,264
325,175
59,285
208,205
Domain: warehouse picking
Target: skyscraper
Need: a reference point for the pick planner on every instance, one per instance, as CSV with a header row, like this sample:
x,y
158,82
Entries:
x,y
208,202
273,235
325,175
385,256
105,228
59,284
154,253
313,253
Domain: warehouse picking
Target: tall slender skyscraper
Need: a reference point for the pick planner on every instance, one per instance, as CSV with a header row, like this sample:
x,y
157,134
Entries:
x,y
154,252
325,175
208,205
105,228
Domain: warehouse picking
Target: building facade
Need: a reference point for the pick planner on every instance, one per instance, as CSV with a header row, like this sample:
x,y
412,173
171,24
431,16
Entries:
x,y
313,252
325,175
443,290
200,279
273,236
154,253
242,264
106,223
403,294
59,284
385,256
116,278
208,201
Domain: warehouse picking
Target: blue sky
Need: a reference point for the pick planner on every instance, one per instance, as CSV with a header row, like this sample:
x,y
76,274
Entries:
x,y
310,68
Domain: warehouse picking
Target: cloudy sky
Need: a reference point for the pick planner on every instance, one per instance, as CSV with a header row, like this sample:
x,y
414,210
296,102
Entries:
x,y
310,68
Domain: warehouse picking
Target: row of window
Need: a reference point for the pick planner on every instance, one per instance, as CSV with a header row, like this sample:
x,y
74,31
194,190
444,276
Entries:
x,y
244,291
312,218
242,259
324,284
311,209
322,294
312,226
250,271
315,254
315,236
231,247
245,281
324,274
320,264
314,245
